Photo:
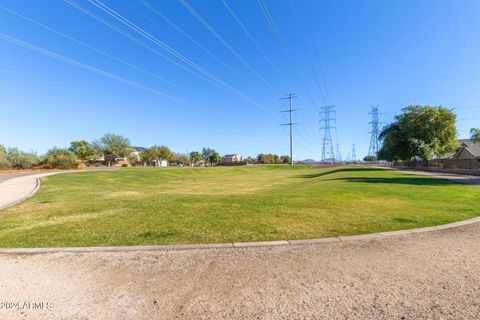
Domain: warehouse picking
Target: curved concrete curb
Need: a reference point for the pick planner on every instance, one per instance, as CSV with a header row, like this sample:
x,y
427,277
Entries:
x,y
231,245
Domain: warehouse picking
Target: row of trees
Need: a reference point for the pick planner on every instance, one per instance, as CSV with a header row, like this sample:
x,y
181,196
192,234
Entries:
x,y
12,158
420,132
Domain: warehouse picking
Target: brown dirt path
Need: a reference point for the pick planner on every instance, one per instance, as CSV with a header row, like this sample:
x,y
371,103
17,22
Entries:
x,y
434,275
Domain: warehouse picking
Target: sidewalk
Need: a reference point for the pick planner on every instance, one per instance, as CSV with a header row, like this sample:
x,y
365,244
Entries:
x,y
19,188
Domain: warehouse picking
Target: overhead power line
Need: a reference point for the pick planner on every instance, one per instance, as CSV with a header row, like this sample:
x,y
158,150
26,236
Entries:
x,y
220,83
250,36
93,69
195,42
97,50
283,46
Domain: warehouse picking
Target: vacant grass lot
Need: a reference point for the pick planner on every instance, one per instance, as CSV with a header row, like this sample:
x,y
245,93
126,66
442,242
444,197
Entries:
x,y
202,205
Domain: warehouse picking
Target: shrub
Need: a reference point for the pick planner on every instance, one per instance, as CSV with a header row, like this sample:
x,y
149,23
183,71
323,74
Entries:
x,y
124,165
17,159
59,159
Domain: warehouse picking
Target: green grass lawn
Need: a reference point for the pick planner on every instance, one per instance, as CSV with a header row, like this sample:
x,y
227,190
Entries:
x,y
228,204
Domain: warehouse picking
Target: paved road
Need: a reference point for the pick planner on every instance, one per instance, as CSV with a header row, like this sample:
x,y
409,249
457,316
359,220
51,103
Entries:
x,y
423,276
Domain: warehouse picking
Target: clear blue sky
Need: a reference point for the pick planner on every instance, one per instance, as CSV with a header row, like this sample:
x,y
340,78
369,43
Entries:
x,y
385,53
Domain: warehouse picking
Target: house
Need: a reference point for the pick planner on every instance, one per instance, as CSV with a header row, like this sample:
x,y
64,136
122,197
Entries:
x,y
231,158
467,150
137,150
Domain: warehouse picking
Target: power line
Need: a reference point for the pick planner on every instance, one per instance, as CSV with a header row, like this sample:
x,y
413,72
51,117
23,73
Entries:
x,y
97,50
223,42
92,69
327,120
304,43
195,42
250,36
220,83
284,48
290,97
312,36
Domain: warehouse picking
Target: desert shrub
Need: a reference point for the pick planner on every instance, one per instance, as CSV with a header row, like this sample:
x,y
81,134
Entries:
x,y
17,159
124,165
3,158
59,159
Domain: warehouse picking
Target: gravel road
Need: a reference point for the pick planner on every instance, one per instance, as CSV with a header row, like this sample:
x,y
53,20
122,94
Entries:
x,y
433,275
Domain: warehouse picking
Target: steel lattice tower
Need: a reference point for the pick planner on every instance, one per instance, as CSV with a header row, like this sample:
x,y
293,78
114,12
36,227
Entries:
x,y
338,156
327,122
354,153
375,133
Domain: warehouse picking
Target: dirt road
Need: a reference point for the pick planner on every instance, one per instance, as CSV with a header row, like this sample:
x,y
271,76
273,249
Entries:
x,y
432,275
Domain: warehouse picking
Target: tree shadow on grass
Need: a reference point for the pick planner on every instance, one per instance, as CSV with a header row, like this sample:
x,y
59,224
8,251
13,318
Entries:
x,y
324,173
401,180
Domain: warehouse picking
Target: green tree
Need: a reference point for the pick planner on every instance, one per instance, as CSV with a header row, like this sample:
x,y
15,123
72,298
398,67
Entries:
x,y
206,153
285,159
195,157
214,158
475,134
148,156
182,158
370,158
82,149
57,158
420,132
112,146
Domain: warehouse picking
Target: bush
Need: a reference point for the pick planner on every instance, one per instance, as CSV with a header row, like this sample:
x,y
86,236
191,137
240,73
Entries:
x,y
59,159
124,165
17,159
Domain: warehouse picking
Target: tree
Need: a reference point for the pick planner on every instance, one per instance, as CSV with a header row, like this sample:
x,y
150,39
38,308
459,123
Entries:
x,y
195,157
57,158
214,158
285,159
206,153
475,134
82,149
420,132
148,156
112,146
182,158
370,158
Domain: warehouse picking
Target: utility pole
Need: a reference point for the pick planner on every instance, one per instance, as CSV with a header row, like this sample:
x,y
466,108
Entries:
x,y
290,97
327,120
354,153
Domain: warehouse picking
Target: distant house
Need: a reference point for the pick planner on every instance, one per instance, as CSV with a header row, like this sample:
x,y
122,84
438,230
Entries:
x,y
231,158
137,150
467,150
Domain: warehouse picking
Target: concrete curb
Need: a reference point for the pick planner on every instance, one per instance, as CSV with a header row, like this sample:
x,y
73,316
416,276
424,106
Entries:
x,y
240,245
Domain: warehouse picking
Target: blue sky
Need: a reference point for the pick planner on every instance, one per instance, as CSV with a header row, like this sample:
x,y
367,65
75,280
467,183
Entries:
x,y
385,53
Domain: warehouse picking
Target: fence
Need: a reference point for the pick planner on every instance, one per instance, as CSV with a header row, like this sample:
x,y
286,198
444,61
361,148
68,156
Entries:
x,y
461,164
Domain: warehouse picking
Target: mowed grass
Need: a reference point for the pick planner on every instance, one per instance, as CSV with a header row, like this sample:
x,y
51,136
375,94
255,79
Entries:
x,y
147,206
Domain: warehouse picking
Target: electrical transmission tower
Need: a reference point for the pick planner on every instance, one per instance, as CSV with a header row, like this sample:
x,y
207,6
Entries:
x,y
354,153
338,156
327,122
375,133
290,97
